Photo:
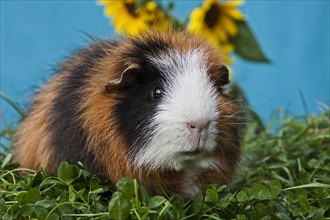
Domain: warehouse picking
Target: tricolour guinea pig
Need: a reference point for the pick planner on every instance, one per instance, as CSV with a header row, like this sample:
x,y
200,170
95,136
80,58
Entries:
x,y
151,107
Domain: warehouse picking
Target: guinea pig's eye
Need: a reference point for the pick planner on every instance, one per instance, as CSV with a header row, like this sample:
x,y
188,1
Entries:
x,y
156,93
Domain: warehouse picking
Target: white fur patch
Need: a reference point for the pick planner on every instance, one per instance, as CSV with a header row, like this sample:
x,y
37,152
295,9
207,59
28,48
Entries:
x,y
189,96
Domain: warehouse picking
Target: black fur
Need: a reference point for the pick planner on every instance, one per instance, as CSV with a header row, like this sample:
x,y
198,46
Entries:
x,y
235,135
224,76
69,137
135,108
141,51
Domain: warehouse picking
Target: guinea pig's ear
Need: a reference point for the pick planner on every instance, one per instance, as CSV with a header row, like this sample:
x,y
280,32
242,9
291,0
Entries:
x,y
224,76
127,78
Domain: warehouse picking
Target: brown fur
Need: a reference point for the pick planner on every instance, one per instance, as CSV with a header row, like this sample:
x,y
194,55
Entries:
x,y
33,147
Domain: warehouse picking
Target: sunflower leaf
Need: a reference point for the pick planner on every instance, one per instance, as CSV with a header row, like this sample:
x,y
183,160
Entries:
x,y
246,45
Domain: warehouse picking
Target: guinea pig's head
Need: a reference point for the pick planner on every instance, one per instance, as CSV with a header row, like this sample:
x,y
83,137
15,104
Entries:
x,y
168,91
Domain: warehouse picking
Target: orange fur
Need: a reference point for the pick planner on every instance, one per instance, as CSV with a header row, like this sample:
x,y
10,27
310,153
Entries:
x,y
33,148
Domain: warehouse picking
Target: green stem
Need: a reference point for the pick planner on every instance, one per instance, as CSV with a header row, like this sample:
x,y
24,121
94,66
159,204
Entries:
x,y
167,204
12,104
88,215
56,207
137,199
59,205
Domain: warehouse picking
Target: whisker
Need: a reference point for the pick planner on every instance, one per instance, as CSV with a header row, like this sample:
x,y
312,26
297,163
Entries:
x,y
234,101
242,123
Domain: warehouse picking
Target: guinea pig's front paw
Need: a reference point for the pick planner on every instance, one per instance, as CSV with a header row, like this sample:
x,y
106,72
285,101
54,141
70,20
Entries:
x,y
191,188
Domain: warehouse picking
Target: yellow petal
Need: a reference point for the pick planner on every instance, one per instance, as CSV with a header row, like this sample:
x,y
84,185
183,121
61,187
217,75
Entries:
x,y
227,48
234,13
151,6
229,25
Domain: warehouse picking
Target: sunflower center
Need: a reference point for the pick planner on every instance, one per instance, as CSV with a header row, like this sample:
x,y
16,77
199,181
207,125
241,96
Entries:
x,y
130,7
211,16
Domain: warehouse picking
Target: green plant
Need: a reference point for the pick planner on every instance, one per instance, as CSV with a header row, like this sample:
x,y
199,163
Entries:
x,y
284,175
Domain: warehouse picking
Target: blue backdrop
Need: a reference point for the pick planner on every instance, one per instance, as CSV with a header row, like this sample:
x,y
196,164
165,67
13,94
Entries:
x,y
35,35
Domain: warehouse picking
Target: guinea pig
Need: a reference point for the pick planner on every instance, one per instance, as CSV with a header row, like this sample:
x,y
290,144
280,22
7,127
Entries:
x,y
152,107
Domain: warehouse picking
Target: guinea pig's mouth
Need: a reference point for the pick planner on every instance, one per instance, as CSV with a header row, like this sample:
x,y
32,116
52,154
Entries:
x,y
192,153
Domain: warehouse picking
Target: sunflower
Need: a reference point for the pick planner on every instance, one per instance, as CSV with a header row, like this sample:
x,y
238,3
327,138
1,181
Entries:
x,y
132,20
216,20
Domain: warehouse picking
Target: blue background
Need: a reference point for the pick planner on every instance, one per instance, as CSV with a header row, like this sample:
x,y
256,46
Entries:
x,y
35,35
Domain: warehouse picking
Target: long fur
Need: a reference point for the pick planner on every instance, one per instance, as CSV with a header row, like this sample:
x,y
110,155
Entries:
x,y
125,134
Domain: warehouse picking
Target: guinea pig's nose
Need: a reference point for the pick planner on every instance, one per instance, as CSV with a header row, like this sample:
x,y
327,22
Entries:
x,y
197,127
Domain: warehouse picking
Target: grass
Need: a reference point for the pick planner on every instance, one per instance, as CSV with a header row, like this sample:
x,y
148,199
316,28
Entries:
x,y
285,175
